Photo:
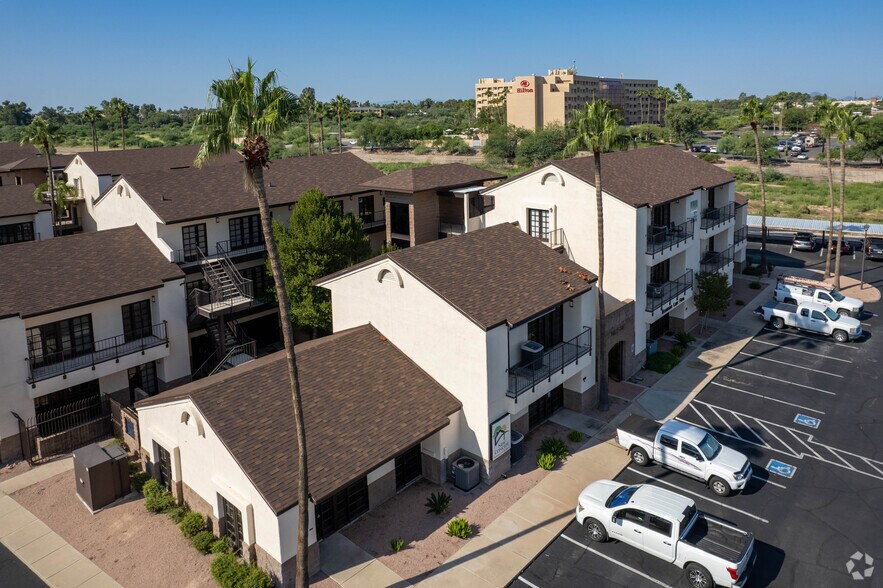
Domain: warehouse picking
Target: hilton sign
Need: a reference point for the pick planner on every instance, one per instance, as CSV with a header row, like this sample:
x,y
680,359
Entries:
x,y
525,87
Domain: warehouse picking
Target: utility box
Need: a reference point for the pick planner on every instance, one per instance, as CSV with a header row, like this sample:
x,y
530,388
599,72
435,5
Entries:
x,y
101,475
531,352
466,473
517,447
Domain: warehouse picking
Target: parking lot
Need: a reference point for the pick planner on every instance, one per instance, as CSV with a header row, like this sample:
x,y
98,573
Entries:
x,y
807,412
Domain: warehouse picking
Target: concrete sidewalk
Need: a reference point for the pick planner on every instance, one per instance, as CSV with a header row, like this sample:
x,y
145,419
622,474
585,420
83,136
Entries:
x,y
38,547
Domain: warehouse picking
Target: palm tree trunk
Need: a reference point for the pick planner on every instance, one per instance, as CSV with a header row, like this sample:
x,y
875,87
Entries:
x,y
52,211
309,138
842,205
301,577
831,215
339,136
763,265
94,138
603,398
322,136
123,129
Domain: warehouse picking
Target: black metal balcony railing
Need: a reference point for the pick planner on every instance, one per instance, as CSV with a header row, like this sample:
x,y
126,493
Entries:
x,y
522,377
713,261
373,219
224,248
740,235
658,295
63,362
451,229
662,238
185,256
714,217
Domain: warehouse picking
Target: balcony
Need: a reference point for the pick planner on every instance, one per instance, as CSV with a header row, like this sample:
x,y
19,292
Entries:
x,y
111,349
713,261
522,377
661,296
740,236
664,238
372,220
184,257
223,248
448,229
717,217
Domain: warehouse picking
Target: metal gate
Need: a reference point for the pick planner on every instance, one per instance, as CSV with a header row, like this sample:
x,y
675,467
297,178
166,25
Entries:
x,y
65,428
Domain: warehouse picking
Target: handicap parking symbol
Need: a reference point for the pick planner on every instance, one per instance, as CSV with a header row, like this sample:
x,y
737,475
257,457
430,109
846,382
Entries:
x,y
807,421
782,469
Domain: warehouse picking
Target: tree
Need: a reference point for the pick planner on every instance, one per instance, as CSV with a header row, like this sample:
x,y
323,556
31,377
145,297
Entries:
x,y
727,144
598,129
847,126
320,239
754,112
502,143
781,101
685,121
64,194
321,111
713,293
308,105
824,117
683,94
659,96
117,108
341,108
541,146
873,131
44,135
15,114
245,112
729,124
90,116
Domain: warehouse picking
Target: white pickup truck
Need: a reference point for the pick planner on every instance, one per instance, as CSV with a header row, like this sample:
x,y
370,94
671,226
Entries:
x,y
794,290
810,316
686,449
668,526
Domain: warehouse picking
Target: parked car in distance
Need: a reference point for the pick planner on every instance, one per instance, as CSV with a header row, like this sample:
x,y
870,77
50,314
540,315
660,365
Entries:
x,y
700,149
874,248
804,241
712,149
685,449
845,247
780,148
803,156
796,149
794,290
810,316
668,526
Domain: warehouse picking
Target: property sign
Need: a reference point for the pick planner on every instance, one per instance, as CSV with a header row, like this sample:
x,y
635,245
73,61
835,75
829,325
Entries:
x,y
501,436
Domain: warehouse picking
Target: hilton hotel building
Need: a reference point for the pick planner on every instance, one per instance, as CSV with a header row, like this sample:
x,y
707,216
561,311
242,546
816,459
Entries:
x,y
536,101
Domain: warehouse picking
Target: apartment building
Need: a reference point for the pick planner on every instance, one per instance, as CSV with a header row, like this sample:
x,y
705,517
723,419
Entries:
x,y
428,203
205,221
533,102
24,164
21,217
82,317
667,217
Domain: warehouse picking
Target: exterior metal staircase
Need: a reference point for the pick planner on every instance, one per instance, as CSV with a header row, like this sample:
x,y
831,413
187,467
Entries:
x,y
231,344
228,290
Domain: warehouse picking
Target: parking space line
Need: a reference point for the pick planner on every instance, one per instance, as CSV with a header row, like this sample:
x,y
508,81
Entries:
x,y
789,348
865,459
617,562
816,339
710,426
531,584
840,457
747,426
780,380
776,437
768,481
726,424
767,397
794,365
703,497
802,442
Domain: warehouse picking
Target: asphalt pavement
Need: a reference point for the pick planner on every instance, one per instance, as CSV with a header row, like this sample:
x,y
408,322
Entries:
x,y
15,573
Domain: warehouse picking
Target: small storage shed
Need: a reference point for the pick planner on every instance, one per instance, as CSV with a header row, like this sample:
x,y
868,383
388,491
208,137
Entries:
x,y
101,475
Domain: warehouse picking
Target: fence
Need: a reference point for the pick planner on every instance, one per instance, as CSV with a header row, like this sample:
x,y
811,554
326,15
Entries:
x,y
63,429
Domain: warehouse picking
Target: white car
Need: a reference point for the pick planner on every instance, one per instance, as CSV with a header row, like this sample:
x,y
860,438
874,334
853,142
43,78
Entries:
x,y
794,290
803,156
810,316
712,149
668,526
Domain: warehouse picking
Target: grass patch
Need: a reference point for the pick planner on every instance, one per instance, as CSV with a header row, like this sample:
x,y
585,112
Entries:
x,y
802,198
391,167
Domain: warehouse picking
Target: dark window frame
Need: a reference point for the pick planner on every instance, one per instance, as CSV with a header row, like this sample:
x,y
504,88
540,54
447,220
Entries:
x,y
71,337
366,208
137,322
194,238
538,223
245,231
232,518
17,233
668,442
164,466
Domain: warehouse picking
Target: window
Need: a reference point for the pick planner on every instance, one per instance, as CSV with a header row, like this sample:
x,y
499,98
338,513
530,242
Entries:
x,y
262,283
709,447
816,315
622,496
55,342
408,466
632,515
691,451
804,312
136,320
189,287
346,505
143,377
194,241
548,329
669,442
16,233
366,208
399,218
245,231
164,466
538,223
658,524
823,296
232,521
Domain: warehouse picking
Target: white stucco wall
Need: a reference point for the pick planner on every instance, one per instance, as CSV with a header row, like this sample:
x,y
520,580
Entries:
x,y
89,189
13,372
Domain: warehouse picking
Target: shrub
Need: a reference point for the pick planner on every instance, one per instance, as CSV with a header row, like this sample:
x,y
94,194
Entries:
x,y
220,546
438,502
740,302
176,512
138,478
710,157
575,436
420,149
555,447
742,174
255,577
157,498
203,541
397,544
677,351
772,175
684,338
227,570
662,362
191,524
546,461
459,528
755,285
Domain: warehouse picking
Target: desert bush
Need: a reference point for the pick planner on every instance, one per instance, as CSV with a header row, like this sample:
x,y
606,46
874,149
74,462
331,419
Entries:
x,y
202,541
555,447
156,497
220,546
191,524
438,502
662,362
420,149
397,544
546,461
229,572
575,436
459,528
176,512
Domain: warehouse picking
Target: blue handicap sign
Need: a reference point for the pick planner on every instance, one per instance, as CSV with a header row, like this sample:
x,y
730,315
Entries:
x,y
808,421
782,469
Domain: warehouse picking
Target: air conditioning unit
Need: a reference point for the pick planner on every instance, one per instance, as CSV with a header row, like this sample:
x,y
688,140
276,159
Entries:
x,y
466,473
531,352
654,290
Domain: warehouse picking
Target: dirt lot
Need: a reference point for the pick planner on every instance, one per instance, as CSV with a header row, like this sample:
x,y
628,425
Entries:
x,y
817,171
426,544
125,541
389,157
13,469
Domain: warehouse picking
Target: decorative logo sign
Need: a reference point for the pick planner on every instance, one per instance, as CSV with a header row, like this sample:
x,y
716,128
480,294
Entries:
x,y
524,83
525,87
855,567
501,436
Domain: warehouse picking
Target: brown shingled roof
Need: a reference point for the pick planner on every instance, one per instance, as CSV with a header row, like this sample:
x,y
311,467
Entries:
x,y
180,195
35,162
433,177
131,161
19,200
493,276
364,402
646,177
66,272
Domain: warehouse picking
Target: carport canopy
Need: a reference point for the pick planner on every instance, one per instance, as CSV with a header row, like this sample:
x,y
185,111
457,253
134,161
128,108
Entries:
x,y
810,224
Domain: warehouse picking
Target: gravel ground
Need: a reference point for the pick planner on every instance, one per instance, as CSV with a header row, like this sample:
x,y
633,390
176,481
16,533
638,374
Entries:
x,y
426,544
13,469
138,549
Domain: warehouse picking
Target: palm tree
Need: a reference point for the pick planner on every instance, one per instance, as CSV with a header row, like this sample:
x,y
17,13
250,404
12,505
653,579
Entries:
x,y
244,114
598,128
91,116
684,95
847,126
44,135
64,194
824,117
754,112
659,95
321,111
308,105
341,108
118,108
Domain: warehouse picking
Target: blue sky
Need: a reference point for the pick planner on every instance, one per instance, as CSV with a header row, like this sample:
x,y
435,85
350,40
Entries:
x,y
167,52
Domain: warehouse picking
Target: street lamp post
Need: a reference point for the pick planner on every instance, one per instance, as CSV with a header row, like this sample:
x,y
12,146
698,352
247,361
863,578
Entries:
x,y
864,255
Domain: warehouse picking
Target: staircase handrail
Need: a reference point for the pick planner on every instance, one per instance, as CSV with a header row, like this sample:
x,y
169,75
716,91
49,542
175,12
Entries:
x,y
248,348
